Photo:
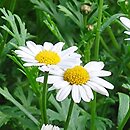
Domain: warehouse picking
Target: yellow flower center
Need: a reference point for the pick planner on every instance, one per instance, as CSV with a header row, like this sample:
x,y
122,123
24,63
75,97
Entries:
x,y
76,75
48,57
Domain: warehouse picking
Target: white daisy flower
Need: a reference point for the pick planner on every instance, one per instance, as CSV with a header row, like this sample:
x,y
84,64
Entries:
x,y
49,127
79,81
126,22
48,56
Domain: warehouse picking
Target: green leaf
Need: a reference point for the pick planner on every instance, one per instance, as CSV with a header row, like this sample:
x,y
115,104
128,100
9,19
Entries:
x,y
109,21
78,114
15,114
14,58
100,125
2,77
18,31
94,16
9,97
3,118
103,123
123,5
68,13
82,121
73,14
8,30
52,26
20,95
41,5
127,86
124,101
31,73
120,1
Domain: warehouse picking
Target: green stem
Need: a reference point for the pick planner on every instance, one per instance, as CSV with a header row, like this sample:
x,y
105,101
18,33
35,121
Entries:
x,y
96,56
44,100
121,126
97,40
69,114
104,44
93,112
87,53
114,41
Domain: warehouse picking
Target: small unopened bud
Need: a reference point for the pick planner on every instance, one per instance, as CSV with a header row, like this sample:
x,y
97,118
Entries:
x,y
85,8
90,27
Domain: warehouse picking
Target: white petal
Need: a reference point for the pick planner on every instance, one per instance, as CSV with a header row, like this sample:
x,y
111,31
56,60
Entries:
x,y
29,60
53,79
71,56
127,32
49,127
60,84
39,48
102,82
47,46
75,55
94,66
64,67
43,127
68,51
84,94
127,39
51,88
40,79
56,71
26,50
76,94
58,47
32,64
44,68
88,91
68,64
23,54
125,21
70,59
98,88
63,93
56,128
32,46
101,73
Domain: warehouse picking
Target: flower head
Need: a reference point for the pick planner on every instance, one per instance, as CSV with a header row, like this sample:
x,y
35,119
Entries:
x,y
48,56
49,127
79,81
126,22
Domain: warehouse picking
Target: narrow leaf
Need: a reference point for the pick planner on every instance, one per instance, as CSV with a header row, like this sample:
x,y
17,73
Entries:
x,y
109,21
123,106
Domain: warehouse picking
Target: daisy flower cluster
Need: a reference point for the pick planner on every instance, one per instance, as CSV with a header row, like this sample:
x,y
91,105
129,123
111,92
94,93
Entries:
x,y
66,74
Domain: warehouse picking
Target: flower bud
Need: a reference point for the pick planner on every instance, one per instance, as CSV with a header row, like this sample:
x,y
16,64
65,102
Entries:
x,y
86,8
90,27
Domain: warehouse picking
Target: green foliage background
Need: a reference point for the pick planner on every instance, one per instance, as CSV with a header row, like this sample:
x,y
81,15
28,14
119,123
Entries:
x,y
62,20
